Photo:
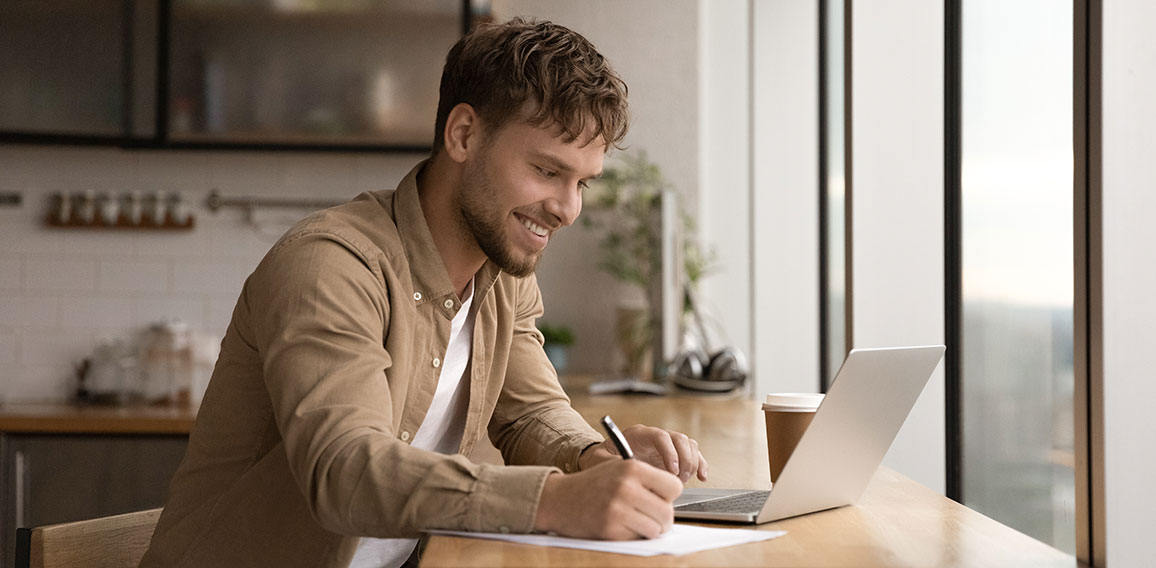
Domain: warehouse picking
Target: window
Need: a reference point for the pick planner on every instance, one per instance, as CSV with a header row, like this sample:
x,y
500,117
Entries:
x,y
1016,378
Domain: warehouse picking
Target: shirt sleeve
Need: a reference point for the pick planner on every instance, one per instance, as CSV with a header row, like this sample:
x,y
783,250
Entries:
x,y
319,309
533,421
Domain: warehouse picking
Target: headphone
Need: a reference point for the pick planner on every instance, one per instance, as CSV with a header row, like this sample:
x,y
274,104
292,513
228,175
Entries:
x,y
692,369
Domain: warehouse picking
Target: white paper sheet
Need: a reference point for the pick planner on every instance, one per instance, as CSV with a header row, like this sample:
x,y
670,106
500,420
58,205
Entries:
x,y
680,539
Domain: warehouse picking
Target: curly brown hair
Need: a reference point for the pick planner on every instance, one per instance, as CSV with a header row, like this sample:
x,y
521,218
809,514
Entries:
x,y
499,68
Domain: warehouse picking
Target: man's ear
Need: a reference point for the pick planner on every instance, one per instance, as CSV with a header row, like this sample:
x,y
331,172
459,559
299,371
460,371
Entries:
x,y
463,130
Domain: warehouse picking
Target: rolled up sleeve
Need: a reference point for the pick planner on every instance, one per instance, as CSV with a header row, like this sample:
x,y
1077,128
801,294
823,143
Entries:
x,y
533,421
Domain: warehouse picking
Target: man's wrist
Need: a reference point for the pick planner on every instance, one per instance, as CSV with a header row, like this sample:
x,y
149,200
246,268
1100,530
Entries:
x,y
544,516
586,458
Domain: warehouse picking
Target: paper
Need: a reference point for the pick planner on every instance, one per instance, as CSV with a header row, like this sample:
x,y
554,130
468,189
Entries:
x,y
680,539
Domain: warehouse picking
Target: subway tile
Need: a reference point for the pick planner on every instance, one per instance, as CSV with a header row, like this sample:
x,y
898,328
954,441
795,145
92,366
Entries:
x,y
328,175
97,244
24,311
173,245
133,276
189,310
77,275
97,312
373,172
31,162
167,168
91,165
219,314
11,272
41,383
214,279
46,347
244,244
240,170
24,234
8,341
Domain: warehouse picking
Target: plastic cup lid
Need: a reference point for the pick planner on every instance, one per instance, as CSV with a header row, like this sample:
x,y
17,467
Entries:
x,y
793,402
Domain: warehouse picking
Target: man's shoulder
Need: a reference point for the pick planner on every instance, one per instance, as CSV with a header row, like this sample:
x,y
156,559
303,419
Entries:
x,y
366,225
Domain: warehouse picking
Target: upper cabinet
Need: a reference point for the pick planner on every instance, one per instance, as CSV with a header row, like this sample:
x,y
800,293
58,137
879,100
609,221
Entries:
x,y
295,74
68,69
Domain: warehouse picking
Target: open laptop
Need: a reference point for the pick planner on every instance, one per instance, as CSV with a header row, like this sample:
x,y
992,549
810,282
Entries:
x,y
840,451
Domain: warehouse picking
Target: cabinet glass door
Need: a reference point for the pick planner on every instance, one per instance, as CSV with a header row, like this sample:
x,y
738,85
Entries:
x,y
306,72
62,67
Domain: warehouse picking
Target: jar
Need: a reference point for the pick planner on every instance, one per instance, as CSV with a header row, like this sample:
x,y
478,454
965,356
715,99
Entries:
x,y
166,363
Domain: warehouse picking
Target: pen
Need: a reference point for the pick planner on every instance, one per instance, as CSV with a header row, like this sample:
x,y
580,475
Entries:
x,y
616,437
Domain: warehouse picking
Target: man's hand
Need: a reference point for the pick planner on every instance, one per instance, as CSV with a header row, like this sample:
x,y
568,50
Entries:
x,y
664,449
614,500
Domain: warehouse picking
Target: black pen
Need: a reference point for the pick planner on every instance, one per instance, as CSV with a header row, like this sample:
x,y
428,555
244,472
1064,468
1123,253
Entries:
x,y
617,437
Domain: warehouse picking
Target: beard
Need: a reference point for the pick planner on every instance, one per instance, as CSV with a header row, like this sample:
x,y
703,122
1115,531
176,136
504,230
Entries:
x,y
477,201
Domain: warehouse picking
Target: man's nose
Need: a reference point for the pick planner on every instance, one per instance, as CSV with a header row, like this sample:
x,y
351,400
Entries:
x,y
566,206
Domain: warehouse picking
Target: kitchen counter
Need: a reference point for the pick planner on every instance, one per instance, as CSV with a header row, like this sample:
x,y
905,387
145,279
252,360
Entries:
x,y
69,418
62,462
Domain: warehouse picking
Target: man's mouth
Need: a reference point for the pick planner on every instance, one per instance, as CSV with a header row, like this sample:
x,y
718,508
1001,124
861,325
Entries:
x,y
534,227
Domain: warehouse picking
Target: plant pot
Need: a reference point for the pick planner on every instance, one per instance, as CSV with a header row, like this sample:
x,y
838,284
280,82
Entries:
x,y
557,355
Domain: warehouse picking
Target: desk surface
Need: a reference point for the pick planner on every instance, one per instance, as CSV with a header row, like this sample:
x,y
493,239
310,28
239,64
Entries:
x,y
898,522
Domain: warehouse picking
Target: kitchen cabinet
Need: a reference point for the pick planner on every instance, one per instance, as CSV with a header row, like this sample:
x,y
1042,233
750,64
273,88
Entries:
x,y
276,74
77,71
66,463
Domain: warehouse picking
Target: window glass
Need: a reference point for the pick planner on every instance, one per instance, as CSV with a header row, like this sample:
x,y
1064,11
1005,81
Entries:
x,y
835,186
1017,264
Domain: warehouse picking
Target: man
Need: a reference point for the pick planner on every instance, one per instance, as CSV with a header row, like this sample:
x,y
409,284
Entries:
x,y
379,340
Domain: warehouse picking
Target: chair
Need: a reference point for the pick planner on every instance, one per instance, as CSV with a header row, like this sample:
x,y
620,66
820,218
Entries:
x,y
105,542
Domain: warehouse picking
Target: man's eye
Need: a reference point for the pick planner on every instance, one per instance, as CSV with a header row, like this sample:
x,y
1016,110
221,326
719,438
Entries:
x,y
545,172
583,185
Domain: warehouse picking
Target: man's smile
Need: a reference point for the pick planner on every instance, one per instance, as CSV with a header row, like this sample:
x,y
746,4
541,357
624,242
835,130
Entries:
x,y
532,226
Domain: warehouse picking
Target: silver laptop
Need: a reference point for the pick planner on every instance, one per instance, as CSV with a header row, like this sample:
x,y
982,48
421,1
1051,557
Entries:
x,y
839,453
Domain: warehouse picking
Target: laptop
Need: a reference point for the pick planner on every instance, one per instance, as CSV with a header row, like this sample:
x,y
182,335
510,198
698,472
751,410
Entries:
x,y
840,451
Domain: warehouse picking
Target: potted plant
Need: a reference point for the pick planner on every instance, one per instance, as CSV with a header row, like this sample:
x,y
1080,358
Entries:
x,y
627,203
558,339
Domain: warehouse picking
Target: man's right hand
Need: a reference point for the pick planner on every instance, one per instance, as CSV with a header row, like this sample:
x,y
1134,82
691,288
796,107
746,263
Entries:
x,y
615,500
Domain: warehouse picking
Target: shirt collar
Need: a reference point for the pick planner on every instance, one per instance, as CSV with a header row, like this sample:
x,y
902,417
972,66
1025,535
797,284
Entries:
x,y
425,262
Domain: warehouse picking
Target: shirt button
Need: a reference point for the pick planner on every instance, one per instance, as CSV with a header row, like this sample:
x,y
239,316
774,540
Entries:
x,y
437,362
417,296
405,436
448,304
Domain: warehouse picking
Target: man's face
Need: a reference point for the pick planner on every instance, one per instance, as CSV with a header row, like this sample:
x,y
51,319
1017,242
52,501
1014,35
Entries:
x,y
524,185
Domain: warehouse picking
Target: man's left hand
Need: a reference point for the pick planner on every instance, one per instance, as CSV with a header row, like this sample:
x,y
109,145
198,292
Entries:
x,y
665,449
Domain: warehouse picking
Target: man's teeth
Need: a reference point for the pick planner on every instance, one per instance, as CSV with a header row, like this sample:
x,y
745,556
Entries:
x,y
534,228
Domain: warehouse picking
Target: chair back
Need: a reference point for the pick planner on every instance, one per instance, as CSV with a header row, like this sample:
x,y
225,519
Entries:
x,y
105,542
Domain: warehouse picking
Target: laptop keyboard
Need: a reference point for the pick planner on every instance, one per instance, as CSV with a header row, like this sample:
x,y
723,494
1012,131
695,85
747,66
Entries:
x,y
741,503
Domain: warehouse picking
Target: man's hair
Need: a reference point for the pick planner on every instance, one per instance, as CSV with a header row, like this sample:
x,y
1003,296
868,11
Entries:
x,y
502,69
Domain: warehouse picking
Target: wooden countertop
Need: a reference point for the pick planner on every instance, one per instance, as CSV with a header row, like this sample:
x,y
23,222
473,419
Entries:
x,y
67,418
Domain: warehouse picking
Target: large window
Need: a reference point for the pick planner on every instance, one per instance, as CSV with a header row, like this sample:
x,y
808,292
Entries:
x,y
1016,199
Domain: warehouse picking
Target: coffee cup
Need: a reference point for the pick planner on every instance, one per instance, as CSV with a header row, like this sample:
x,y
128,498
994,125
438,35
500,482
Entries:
x,y
788,415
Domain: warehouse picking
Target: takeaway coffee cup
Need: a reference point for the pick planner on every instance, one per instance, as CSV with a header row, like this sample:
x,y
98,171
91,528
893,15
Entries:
x,y
788,415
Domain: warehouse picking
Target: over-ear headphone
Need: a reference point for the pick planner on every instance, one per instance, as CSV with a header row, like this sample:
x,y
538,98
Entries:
x,y
722,371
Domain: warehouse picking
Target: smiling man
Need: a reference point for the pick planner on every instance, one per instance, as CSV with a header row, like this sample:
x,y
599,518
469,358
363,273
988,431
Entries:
x,y
378,341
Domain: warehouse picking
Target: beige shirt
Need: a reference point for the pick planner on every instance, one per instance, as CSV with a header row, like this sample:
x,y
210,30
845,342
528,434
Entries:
x,y
326,372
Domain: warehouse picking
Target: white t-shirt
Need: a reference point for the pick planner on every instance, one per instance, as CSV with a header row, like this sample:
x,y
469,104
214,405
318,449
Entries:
x,y
441,431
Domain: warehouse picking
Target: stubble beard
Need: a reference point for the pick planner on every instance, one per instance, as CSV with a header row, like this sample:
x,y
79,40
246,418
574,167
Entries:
x,y
487,223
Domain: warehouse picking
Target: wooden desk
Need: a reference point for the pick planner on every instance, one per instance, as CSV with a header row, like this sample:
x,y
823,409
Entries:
x,y
898,522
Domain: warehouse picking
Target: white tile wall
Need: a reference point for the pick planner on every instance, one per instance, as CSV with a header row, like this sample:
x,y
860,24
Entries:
x,y
115,275
7,349
11,272
60,274
63,290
